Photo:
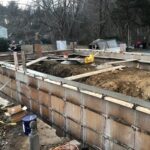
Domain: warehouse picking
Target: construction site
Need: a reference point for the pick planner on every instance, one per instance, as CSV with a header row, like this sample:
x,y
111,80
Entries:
x,y
103,104
74,75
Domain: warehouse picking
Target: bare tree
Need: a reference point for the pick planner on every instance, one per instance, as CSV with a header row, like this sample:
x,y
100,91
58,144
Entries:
x,y
61,16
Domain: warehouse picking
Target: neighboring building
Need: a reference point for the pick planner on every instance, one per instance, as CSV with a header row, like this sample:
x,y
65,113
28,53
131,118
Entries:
x,y
3,32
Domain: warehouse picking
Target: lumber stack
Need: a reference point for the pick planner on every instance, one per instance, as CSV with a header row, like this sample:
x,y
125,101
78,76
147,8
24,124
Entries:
x,y
16,113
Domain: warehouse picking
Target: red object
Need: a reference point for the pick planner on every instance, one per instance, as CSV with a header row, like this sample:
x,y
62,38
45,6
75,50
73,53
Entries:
x,y
66,55
138,44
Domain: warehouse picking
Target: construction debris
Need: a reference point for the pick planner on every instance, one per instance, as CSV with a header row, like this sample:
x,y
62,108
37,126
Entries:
x,y
4,103
13,138
14,110
72,145
16,113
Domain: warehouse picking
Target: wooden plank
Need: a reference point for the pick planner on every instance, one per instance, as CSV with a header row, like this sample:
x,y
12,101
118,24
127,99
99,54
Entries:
x,y
144,110
119,102
17,117
14,110
123,61
23,60
35,61
93,73
4,102
144,61
16,60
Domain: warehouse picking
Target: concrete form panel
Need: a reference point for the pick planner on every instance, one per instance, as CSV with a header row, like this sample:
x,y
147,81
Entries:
x,y
58,119
44,99
33,82
24,89
25,101
116,131
121,112
35,107
44,86
5,71
21,77
7,91
109,145
142,141
57,104
11,73
93,138
1,84
73,111
14,95
34,93
57,90
120,132
143,121
94,103
4,79
74,128
1,70
94,121
73,96
13,84
1,76
45,113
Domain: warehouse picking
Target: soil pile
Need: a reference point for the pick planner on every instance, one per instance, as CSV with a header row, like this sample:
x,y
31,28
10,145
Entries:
x,y
61,70
130,81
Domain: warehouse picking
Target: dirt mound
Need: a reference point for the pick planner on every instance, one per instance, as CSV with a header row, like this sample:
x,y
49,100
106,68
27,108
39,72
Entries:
x,y
61,70
132,82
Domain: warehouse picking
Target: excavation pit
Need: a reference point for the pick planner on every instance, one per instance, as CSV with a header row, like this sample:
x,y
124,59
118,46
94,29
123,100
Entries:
x,y
95,116
61,70
129,81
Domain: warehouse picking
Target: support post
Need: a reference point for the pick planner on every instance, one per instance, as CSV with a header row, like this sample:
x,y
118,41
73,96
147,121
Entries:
x,y
37,46
16,60
33,137
23,61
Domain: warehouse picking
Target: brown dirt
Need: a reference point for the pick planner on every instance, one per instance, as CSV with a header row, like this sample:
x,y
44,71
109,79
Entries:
x,y
13,138
61,70
130,81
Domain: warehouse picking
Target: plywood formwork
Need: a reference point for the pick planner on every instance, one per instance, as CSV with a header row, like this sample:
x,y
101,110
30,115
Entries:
x,y
88,117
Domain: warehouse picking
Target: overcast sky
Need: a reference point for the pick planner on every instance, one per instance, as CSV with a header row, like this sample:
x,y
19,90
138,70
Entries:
x,y
21,2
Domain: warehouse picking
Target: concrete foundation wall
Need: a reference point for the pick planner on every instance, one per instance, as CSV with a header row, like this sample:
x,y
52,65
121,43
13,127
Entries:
x,y
82,111
125,55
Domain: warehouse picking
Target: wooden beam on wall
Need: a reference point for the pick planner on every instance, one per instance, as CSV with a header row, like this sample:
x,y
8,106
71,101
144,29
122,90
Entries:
x,y
94,73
